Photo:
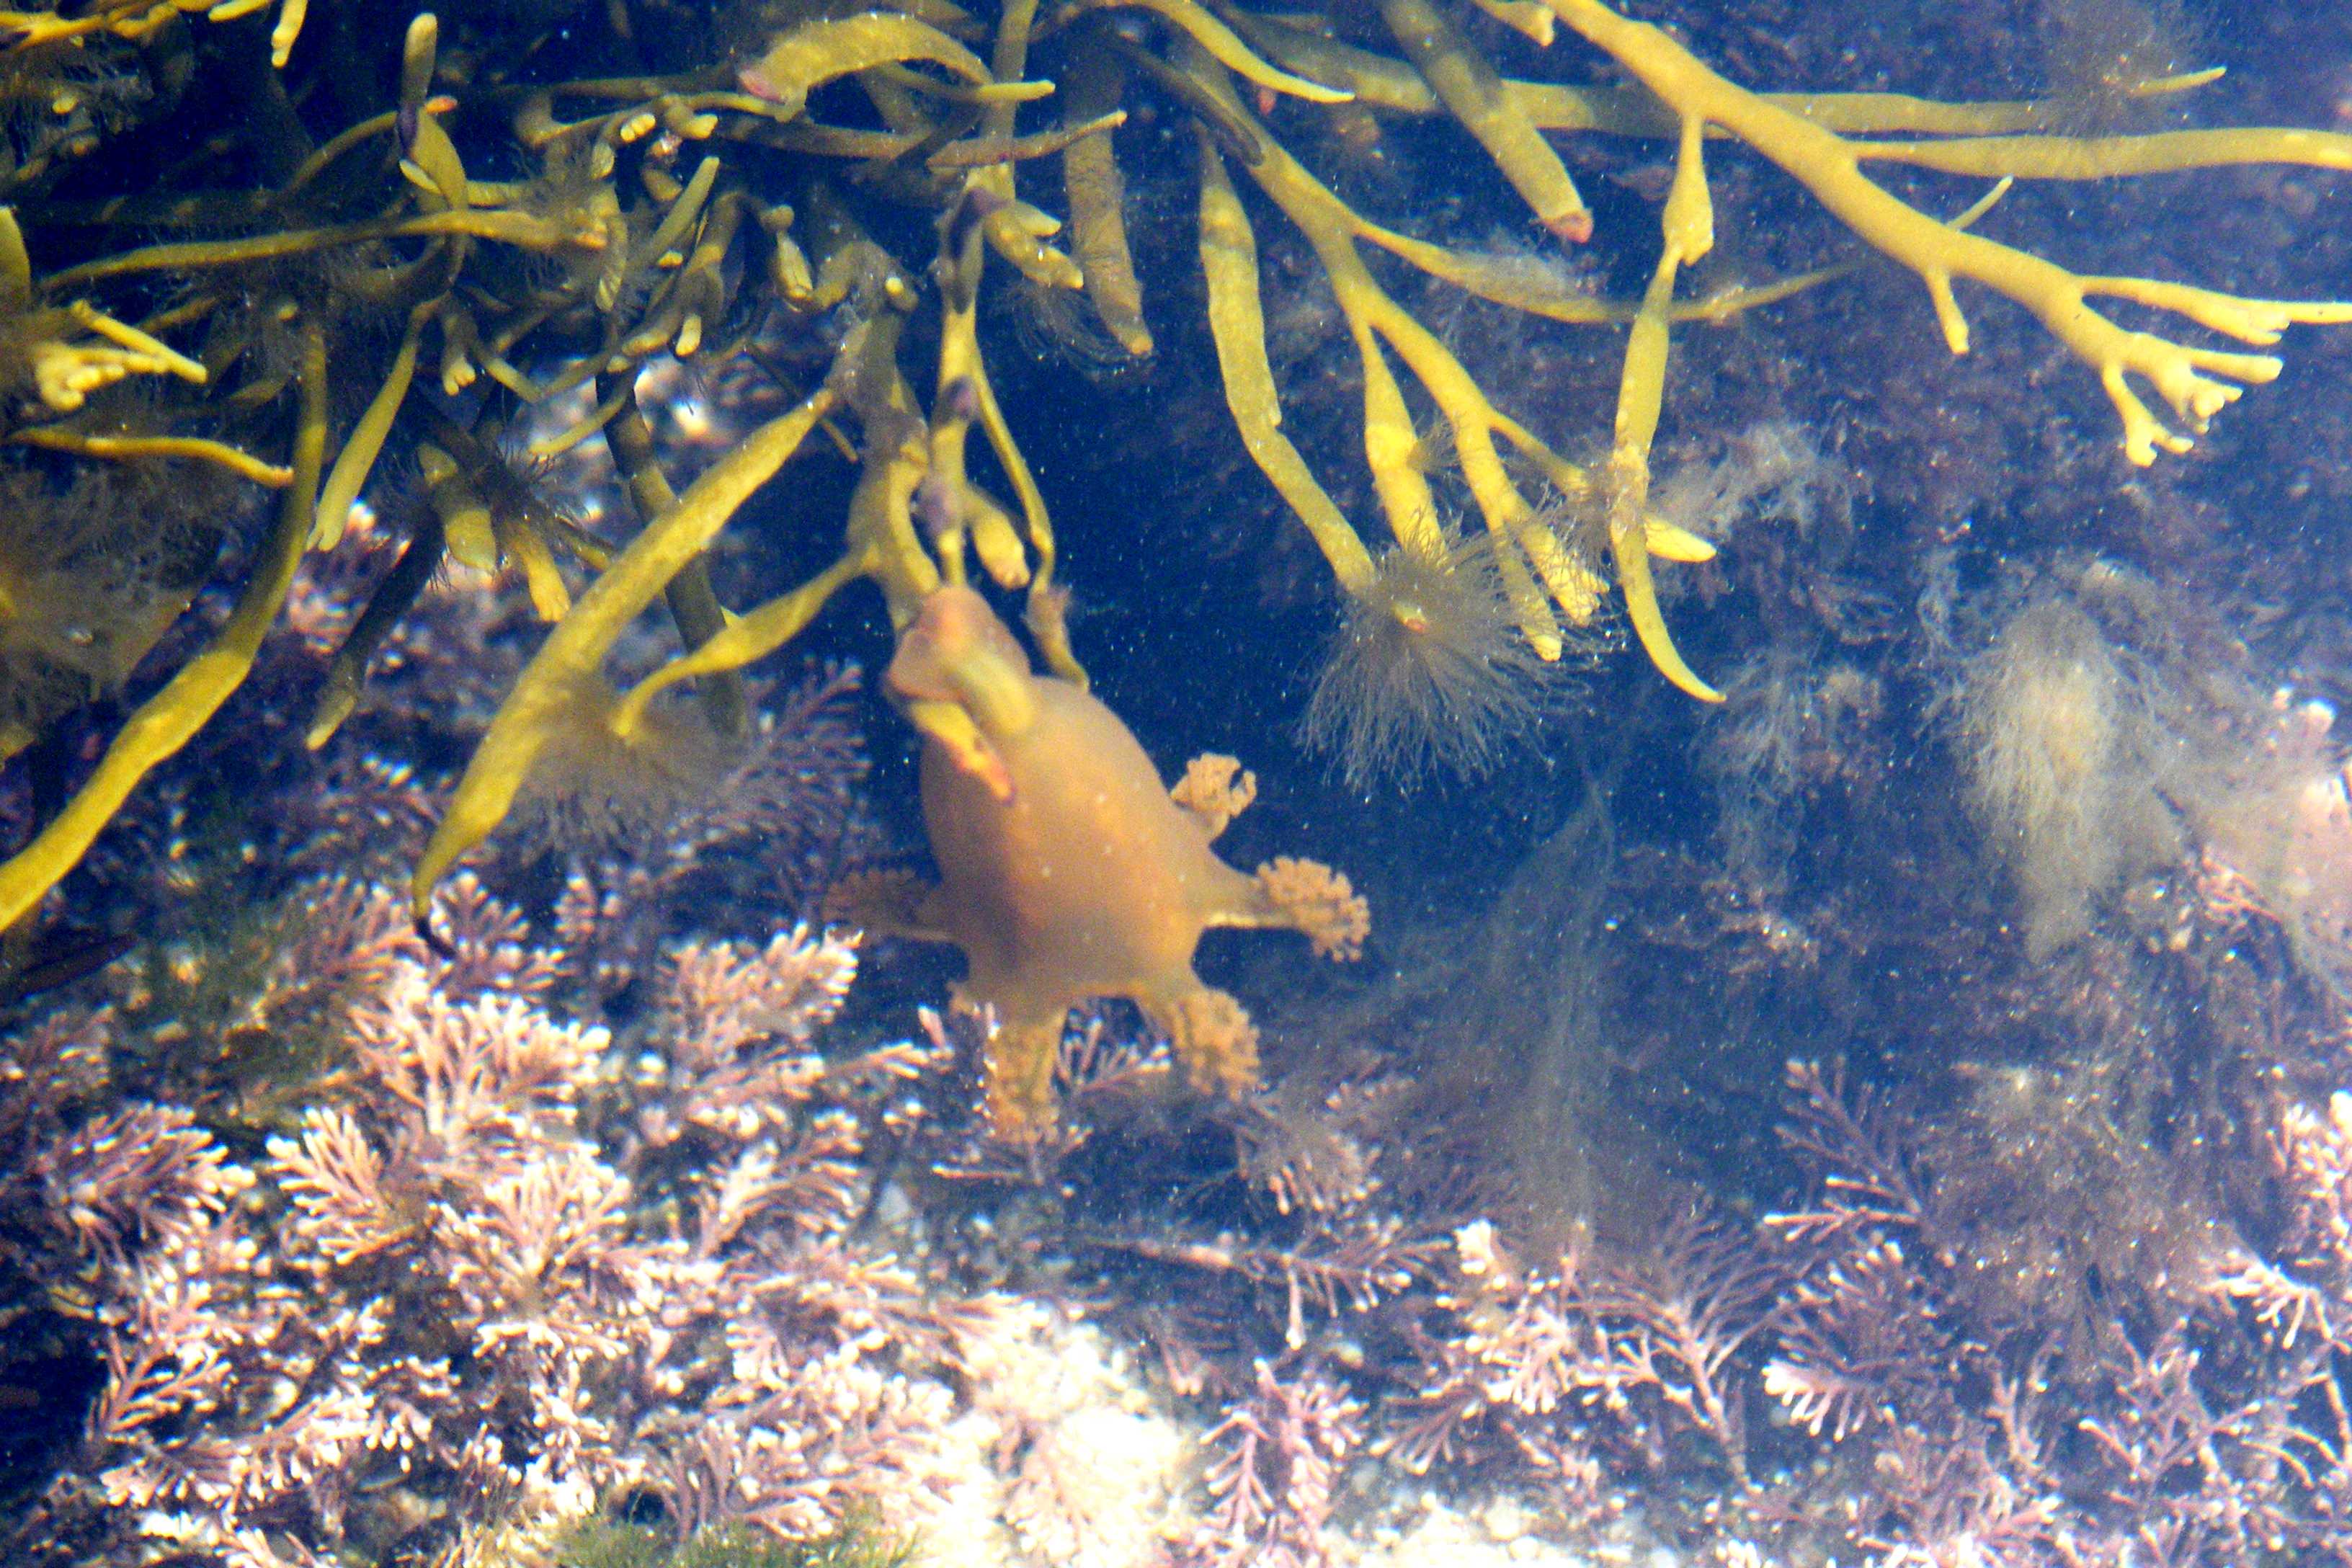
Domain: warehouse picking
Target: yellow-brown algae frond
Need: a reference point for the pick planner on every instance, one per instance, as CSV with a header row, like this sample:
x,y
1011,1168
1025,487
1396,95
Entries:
x,y
1525,16
1319,903
126,445
1426,669
463,514
1374,320
43,347
976,152
2197,383
1238,325
1017,231
357,459
1474,94
169,719
1536,285
141,20
2112,157
291,13
1688,221
1380,82
963,381
575,648
1219,42
1097,192
694,606
1216,789
954,505
815,52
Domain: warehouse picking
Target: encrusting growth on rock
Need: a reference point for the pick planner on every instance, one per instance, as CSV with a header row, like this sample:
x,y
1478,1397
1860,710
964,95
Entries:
x,y
1069,871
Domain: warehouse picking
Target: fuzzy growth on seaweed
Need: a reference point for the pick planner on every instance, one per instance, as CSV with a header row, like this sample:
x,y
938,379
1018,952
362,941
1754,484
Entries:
x,y
591,783
2108,62
89,580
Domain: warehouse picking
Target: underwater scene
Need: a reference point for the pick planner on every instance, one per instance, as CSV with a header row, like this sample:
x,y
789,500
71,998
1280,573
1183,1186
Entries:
x,y
1176,783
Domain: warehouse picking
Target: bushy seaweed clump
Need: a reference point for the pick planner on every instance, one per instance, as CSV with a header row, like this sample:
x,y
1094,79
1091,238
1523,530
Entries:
x,y
1774,472
2059,754
618,1543
91,577
2103,741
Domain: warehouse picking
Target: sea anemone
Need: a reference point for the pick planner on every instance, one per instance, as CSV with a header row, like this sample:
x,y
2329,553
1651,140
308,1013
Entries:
x,y
1426,669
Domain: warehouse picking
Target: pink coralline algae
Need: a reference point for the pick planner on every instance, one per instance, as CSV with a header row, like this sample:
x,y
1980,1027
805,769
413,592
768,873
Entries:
x,y
498,1272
